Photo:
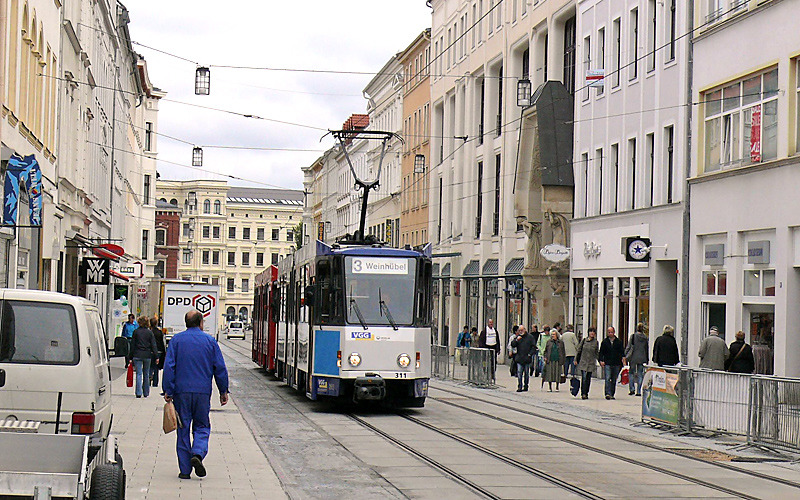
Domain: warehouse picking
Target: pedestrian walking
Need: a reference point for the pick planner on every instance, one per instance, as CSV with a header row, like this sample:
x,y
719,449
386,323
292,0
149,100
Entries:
x,y
665,349
464,338
129,326
571,349
638,354
612,358
193,359
713,351
523,357
741,358
143,350
541,344
534,333
474,337
512,350
158,362
554,359
489,339
588,351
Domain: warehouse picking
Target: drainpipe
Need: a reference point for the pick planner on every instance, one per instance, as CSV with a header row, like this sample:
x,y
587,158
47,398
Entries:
x,y
686,196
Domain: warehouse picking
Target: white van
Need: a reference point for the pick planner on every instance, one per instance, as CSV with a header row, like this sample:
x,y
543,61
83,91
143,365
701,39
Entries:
x,y
235,329
54,364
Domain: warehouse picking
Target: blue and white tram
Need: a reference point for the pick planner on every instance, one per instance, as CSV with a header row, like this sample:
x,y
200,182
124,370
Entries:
x,y
355,323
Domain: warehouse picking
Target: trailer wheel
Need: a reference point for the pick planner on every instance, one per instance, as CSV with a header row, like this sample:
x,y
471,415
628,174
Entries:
x,y
108,483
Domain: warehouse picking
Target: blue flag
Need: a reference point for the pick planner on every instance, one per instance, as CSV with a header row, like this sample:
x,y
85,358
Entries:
x,y
22,170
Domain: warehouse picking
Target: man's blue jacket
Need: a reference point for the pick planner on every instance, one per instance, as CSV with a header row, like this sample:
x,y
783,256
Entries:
x,y
193,357
128,328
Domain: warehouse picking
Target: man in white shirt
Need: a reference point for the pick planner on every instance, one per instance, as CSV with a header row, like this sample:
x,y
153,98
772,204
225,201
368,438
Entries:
x,y
490,339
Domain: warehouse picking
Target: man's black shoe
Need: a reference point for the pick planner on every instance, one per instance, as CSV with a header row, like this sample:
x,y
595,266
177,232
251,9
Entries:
x,y
184,476
197,463
630,393
519,390
525,388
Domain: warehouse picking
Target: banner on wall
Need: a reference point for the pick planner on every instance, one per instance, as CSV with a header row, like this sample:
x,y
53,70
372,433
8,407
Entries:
x,y
25,171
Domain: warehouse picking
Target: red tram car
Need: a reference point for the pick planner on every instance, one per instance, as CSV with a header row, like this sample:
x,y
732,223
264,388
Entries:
x,y
265,319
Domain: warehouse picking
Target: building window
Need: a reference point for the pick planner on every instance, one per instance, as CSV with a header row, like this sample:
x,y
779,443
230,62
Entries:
x,y
160,269
245,288
260,259
797,105
217,207
245,258
187,256
577,307
187,230
275,234
215,257
570,36
671,28
216,232
231,232
669,139
145,245
615,165
204,279
230,284
215,280
245,233
260,234
207,206
601,56
599,156
496,218
146,189
186,278
206,257
643,302
490,303
759,283
651,35
633,69
289,235
161,237
206,232
715,283
632,170
649,168
479,195
274,258
741,122
585,169
587,63
231,258
616,55
148,136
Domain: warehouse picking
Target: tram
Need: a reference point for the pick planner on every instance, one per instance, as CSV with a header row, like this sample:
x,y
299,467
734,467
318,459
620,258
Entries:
x,y
348,321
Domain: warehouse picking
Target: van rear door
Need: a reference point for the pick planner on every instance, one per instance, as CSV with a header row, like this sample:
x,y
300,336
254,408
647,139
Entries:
x,y
42,356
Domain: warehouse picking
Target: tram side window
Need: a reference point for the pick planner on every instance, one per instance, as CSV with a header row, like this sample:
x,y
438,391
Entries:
x,y
326,301
424,285
275,304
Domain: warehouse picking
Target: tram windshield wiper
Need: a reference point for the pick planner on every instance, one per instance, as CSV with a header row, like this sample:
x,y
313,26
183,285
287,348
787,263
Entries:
x,y
354,306
385,308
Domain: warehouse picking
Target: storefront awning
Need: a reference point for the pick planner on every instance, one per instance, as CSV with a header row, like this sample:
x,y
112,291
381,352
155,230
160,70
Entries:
x,y
514,266
446,270
473,268
436,270
490,267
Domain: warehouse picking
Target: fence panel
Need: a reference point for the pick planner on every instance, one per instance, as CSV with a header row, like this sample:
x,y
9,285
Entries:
x,y
440,361
481,366
775,414
475,366
719,401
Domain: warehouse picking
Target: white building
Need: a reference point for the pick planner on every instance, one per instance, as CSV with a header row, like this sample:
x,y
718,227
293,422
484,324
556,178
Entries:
x,y
745,241
480,49
629,163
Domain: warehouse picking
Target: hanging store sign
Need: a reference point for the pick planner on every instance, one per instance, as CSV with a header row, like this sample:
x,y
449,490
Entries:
x,y
23,171
321,231
131,271
714,255
95,271
755,134
594,77
555,253
389,232
758,252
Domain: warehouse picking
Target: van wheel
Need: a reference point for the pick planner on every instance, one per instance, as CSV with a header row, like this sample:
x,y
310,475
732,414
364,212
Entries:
x,y
108,483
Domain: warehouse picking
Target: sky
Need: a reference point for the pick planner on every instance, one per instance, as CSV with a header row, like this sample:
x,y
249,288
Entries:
x,y
346,35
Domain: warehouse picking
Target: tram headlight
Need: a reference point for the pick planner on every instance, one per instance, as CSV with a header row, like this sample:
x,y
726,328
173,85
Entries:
x,y
354,359
404,360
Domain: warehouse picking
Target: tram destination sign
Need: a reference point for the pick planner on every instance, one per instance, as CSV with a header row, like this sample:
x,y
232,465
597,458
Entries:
x,y
378,265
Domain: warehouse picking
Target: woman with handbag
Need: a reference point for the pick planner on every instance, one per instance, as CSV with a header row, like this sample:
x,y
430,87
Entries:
x,y
144,349
554,359
587,360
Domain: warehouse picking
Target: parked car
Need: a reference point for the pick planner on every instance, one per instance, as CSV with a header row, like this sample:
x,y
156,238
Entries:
x,y
235,329
54,370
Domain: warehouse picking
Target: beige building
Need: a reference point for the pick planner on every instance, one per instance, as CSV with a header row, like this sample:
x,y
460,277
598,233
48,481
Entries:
x,y
230,234
416,131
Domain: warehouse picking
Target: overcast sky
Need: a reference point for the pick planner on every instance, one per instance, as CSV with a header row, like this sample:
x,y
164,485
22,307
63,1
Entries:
x,y
346,35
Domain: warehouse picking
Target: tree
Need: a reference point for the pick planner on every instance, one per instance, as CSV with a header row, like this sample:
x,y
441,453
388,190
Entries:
x,y
298,235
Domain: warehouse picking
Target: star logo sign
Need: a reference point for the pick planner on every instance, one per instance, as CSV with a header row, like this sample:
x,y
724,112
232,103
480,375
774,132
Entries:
x,y
638,249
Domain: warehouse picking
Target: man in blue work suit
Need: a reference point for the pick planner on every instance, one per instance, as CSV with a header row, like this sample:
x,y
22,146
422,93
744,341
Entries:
x,y
193,358
129,327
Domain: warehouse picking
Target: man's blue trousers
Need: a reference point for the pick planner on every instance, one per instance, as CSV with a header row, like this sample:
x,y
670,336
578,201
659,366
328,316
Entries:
x,y
193,409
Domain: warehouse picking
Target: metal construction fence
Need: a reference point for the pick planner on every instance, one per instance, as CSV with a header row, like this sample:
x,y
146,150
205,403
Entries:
x,y
765,409
472,365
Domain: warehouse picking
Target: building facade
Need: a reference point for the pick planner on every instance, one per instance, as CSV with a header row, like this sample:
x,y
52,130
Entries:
x,y
744,240
230,234
416,132
167,240
486,225
629,160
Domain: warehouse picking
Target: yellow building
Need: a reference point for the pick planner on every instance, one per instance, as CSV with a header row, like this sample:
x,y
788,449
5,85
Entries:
x,y
230,234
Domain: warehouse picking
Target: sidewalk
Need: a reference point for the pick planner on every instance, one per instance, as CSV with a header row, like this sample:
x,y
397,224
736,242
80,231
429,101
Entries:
x,y
237,468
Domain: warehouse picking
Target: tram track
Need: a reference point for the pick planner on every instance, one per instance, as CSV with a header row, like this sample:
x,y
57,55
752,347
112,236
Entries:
x,y
576,425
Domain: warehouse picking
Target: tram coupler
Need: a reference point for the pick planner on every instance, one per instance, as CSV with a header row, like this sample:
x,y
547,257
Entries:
x,y
369,388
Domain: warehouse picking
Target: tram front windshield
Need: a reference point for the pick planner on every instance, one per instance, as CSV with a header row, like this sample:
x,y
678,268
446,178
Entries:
x,y
380,290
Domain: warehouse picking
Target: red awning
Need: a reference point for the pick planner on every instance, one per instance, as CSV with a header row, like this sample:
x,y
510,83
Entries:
x,y
119,275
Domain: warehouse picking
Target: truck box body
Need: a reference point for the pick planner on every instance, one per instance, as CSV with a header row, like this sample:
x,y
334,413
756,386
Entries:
x,y
179,297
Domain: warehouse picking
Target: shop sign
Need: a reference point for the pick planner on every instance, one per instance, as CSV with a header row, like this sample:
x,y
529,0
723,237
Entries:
x,y
130,271
758,252
555,253
660,401
321,231
594,77
714,255
95,271
591,249
755,134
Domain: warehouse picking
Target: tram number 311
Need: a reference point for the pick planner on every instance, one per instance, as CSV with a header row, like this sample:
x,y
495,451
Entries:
x,y
400,375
